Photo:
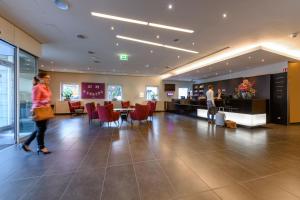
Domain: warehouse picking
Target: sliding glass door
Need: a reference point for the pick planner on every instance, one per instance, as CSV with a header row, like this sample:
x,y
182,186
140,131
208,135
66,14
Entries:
x,y
27,70
7,94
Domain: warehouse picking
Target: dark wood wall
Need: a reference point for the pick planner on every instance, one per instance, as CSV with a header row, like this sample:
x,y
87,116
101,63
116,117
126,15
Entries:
x,y
262,86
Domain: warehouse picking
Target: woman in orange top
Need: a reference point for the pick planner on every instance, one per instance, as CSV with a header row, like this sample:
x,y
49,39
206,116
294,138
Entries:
x,y
41,97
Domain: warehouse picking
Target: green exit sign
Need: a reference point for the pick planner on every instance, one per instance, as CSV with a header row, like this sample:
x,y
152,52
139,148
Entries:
x,y
123,57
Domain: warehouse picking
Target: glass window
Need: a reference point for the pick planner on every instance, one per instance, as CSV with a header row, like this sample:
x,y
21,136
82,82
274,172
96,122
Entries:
x,y
114,92
70,91
7,93
28,69
152,93
182,92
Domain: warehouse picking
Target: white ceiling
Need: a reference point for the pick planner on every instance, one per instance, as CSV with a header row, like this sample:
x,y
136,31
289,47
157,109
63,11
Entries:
x,y
248,21
241,63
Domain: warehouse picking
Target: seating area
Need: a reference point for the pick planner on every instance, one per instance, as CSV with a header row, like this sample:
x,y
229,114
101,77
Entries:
x,y
108,114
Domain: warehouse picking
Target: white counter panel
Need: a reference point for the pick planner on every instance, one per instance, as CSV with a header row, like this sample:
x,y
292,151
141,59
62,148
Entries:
x,y
250,120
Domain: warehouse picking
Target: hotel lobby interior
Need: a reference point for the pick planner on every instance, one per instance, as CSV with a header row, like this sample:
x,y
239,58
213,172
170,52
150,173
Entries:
x,y
129,83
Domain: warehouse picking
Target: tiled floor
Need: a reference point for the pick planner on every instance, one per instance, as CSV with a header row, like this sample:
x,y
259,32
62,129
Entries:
x,y
174,157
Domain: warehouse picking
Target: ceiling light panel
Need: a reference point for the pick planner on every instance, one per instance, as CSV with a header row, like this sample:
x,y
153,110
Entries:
x,y
267,46
171,28
119,18
155,44
134,21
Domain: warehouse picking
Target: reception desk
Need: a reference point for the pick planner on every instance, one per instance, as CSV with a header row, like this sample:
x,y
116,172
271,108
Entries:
x,y
248,113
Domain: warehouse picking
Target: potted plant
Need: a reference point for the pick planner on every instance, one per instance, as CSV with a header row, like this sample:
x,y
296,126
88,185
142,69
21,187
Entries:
x,y
154,97
67,94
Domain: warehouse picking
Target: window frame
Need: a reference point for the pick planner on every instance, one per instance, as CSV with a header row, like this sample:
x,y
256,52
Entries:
x,y
70,83
146,96
107,91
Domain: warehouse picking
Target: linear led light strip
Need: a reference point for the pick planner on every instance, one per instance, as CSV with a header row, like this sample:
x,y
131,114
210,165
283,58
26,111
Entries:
x,y
141,22
267,46
155,44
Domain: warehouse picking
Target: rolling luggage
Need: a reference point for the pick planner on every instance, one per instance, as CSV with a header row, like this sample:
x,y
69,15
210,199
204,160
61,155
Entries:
x,y
220,119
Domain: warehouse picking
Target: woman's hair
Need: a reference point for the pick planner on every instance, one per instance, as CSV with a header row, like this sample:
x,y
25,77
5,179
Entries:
x,y
210,86
42,74
35,80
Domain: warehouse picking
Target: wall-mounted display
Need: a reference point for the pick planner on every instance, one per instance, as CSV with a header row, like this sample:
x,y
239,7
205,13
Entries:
x,y
93,90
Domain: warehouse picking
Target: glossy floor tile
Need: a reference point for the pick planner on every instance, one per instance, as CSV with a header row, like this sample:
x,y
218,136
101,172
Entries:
x,y
173,157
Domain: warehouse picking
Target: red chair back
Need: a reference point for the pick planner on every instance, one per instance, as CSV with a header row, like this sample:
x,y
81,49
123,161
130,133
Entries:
x,y
106,113
91,110
152,107
74,105
107,102
141,112
125,104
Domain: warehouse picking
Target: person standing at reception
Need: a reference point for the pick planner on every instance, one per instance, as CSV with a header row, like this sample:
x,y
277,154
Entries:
x,y
211,107
41,97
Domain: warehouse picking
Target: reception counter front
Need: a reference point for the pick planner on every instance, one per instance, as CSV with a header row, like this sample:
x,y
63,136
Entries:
x,y
250,113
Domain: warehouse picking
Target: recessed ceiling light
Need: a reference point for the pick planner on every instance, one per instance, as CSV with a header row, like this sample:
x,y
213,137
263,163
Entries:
x,y
151,51
80,36
42,65
157,37
170,6
262,60
224,15
101,15
155,44
112,28
62,4
178,57
249,57
117,44
147,66
294,35
193,43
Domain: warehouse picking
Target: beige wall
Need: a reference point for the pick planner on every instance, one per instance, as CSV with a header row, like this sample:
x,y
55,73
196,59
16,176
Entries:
x,y
294,92
132,85
17,37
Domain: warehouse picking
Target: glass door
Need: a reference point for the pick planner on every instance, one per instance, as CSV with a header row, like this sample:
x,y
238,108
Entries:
x,y
7,94
27,70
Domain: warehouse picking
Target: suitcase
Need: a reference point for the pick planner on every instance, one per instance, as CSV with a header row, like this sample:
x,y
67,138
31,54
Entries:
x,y
230,124
220,119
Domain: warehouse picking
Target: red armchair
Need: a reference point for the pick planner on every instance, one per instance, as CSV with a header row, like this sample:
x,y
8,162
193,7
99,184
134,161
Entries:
x,y
92,112
125,104
76,105
107,102
140,113
152,108
106,114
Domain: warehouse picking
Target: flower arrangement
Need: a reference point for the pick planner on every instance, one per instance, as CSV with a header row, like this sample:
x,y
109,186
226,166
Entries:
x,y
246,89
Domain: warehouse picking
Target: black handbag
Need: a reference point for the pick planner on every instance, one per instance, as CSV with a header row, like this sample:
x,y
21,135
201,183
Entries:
x,y
212,110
